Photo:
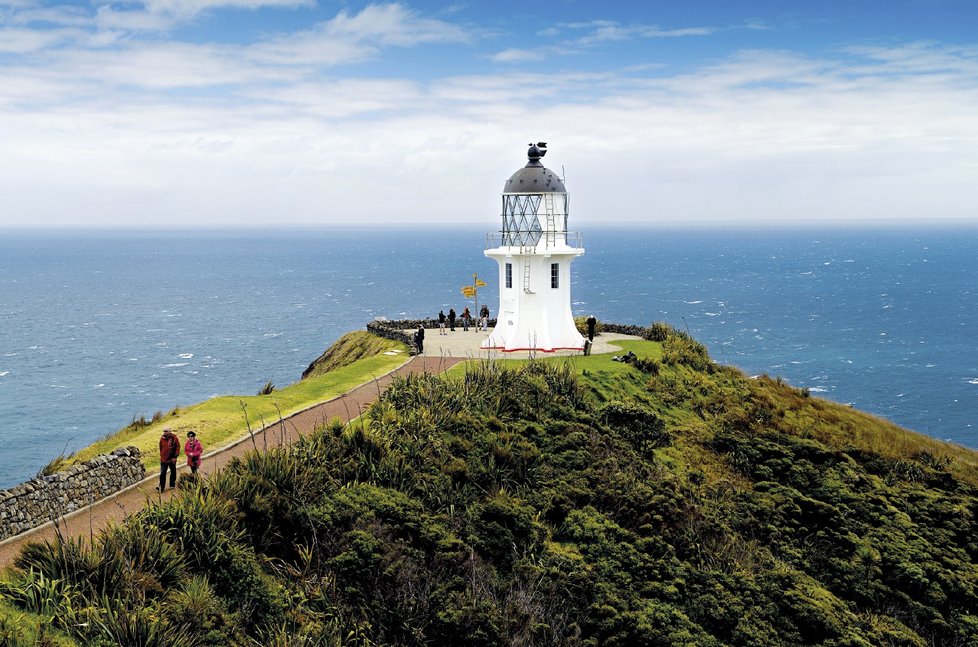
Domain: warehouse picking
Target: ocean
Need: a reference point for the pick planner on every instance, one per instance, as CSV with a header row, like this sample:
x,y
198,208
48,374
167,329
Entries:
x,y
99,327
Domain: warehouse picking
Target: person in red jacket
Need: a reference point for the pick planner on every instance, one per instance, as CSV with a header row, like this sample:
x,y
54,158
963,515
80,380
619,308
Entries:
x,y
169,451
193,449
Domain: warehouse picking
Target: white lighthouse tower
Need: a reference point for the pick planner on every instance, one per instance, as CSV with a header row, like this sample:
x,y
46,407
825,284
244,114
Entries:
x,y
534,251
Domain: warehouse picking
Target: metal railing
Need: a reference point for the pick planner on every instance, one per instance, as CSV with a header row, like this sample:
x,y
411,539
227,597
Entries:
x,y
534,238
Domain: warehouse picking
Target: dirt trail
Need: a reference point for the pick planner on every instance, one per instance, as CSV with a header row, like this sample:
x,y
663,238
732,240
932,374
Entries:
x,y
88,521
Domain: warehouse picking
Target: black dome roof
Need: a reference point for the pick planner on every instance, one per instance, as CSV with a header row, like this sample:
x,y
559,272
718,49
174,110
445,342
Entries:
x,y
534,177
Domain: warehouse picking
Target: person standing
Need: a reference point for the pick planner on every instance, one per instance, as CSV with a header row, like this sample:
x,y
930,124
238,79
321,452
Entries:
x,y
193,449
169,451
591,323
451,319
466,319
419,339
484,315
441,322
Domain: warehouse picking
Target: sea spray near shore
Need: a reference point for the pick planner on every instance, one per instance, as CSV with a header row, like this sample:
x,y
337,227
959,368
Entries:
x,y
90,321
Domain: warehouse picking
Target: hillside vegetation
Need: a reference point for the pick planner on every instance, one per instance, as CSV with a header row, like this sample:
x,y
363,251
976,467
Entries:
x,y
670,501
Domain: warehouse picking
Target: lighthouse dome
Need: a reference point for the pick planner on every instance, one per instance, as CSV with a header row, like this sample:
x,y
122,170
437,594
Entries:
x,y
534,177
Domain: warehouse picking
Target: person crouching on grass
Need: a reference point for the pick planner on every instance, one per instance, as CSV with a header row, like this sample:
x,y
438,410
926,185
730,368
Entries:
x,y
169,451
193,449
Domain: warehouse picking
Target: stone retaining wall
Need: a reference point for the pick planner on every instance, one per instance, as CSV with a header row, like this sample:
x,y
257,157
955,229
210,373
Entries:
x,y
45,498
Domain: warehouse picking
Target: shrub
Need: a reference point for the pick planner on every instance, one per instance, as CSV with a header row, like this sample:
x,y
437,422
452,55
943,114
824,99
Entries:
x,y
681,349
581,324
637,424
657,331
212,624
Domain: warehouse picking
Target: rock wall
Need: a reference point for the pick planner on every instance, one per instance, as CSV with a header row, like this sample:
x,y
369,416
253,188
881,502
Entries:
x,y
45,498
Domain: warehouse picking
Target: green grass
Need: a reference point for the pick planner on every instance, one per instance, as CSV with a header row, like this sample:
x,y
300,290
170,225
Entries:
x,y
22,629
349,348
603,374
220,420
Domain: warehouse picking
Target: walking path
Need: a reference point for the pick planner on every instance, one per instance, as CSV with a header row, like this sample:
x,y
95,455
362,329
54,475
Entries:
x,y
87,521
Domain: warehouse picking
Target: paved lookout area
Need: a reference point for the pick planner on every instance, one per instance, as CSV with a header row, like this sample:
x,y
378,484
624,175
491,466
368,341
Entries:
x,y
466,345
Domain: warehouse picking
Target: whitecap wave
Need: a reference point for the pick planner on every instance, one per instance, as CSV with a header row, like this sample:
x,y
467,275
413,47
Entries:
x,y
692,303
973,380
177,365
2,373
185,355
817,389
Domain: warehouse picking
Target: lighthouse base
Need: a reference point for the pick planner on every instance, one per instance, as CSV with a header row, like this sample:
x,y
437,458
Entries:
x,y
532,342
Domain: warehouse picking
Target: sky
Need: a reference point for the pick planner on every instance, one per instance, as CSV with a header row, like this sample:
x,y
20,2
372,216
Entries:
x,y
278,113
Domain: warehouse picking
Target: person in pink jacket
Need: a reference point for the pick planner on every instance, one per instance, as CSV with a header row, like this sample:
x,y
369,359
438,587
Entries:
x,y
193,449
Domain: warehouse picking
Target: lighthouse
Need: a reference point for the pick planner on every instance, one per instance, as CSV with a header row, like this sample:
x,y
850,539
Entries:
x,y
534,251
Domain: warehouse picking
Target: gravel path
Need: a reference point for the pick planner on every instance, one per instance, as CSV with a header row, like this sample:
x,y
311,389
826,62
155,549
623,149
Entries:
x,y
88,521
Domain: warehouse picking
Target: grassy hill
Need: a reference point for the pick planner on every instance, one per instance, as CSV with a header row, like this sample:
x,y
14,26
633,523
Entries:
x,y
668,501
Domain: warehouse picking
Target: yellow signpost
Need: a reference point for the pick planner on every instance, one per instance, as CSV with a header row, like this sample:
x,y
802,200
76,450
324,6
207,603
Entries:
x,y
472,291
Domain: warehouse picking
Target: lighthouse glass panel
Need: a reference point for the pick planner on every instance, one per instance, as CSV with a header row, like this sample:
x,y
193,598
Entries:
x,y
527,216
509,275
555,275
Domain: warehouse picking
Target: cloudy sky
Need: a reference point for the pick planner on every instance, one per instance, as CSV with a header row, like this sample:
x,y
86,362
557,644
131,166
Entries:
x,y
243,113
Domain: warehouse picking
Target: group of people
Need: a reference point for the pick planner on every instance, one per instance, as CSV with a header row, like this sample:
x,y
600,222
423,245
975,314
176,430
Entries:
x,y
450,319
170,452
466,319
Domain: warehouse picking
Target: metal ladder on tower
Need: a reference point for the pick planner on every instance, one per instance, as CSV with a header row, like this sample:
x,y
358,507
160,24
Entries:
x,y
525,251
551,232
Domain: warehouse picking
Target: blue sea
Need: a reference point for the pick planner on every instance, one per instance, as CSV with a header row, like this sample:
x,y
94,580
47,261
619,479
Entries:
x,y
99,327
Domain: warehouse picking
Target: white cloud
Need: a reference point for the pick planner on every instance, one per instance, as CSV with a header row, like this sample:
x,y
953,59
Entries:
x,y
190,8
24,41
63,16
105,126
518,55
161,15
599,33
605,31
350,38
